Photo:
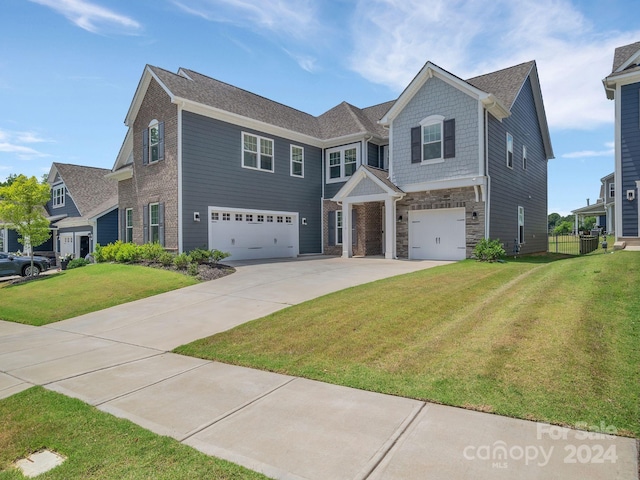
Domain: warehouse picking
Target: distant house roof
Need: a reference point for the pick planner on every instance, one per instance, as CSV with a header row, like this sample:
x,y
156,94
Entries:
x,y
87,186
626,62
622,54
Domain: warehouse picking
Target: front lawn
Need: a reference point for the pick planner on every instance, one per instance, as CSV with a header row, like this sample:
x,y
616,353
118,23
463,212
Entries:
x,y
539,338
52,298
96,444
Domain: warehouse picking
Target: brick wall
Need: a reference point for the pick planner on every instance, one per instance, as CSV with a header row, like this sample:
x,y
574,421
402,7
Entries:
x,y
373,228
369,228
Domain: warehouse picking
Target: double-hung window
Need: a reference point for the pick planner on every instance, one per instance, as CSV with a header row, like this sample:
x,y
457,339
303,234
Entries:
x,y
297,161
153,143
257,152
129,225
342,162
509,150
434,140
520,225
154,223
57,195
524,157
612,190
338,227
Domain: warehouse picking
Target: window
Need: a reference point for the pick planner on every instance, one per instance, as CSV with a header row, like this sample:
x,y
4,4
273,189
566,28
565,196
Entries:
x,y
520,225
58,196
612,190
153,142
509,150
261,218
270,218
154,223
226,217
342,162
280,219
257,152
249,217
524,157
215,216
297,161
338,227
288,219
434,140
238,217
128,225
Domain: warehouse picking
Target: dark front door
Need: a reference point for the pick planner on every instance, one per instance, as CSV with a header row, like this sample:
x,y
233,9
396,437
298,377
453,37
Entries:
x,y
84,246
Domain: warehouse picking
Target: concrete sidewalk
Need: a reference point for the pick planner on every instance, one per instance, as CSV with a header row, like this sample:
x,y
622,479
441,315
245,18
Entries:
x,y
284,426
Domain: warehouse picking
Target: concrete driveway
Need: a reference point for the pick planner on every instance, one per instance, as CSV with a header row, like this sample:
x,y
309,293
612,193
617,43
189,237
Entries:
x,y
286,427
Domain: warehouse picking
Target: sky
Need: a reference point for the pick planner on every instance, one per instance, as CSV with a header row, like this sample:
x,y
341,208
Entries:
x,y
69,68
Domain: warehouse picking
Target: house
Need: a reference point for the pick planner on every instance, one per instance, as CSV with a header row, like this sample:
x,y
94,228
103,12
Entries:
x,y
623,86
603,209
425,176
83,209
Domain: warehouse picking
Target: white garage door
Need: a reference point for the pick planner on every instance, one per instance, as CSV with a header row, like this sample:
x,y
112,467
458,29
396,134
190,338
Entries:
x,y
250,234
437,234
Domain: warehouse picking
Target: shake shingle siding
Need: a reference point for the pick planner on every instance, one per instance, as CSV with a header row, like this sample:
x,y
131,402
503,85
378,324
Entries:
x,y
212,175
515,187
630,142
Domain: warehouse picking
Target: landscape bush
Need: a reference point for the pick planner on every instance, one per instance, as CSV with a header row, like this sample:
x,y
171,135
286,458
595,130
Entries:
x,y
151,252
488,250
182,261
200,255
77,262
217,255
128,253
166,259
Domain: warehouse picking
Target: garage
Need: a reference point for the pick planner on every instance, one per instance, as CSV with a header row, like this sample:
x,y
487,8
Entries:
x,y
252,234
437,234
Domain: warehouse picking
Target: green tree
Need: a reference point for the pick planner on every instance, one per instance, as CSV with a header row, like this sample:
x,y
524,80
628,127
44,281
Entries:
x,y
21,207
563,228
588,223
553,220
9,180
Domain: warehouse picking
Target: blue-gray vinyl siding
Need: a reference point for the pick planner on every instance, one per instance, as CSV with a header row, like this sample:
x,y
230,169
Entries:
x,y
373,155
69,208
515,187
107,226
212,175
630,156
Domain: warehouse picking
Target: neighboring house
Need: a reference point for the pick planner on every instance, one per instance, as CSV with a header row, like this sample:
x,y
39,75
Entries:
x,y
603,209
428,175
623,86
83,209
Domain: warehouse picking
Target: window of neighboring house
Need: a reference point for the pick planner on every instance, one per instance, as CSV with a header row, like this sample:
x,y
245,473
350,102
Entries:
x,y
338,227
509,150
129,225
57,195
257,152
612,190
342,162
297,161
524,157
520,224
154,223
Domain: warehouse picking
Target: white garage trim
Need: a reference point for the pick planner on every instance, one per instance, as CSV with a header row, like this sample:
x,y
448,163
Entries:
x,y
253,234
437,234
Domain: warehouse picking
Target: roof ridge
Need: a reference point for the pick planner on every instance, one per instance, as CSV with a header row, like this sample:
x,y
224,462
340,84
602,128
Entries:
x,y
530,62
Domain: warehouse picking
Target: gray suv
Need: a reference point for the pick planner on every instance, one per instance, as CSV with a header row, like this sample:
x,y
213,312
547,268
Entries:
x,y
12,265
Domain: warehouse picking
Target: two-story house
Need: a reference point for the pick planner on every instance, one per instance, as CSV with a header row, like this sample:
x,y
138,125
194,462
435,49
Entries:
x,y
623,86
603,209
427,175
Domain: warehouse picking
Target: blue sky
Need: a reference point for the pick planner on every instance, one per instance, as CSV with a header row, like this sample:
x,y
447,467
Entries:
x,y
69,68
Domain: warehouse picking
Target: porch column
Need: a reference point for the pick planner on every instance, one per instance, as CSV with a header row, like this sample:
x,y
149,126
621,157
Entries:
x,y
347,249
389,228
577,224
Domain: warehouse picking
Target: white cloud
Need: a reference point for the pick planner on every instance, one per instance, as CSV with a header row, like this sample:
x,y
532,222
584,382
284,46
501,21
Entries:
x,y
29,137
91,17
589,154
13,143
306,62
21,151
394,38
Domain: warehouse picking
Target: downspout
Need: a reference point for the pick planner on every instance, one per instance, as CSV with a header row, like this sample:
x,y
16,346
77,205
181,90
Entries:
x,y
322,176
180,107
487,204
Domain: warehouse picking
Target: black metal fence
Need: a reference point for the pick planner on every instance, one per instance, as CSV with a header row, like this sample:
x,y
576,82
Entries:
x,y
576,244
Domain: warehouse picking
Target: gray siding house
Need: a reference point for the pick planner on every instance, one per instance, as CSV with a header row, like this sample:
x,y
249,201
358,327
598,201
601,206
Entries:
x,y
623,86
206,164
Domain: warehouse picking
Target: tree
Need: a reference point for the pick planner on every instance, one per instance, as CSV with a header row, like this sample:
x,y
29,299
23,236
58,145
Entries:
x,y
10,179
588,223
21,207
553,220
563,228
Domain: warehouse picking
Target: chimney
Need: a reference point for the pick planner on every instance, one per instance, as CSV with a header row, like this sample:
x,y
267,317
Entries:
x,y
587,202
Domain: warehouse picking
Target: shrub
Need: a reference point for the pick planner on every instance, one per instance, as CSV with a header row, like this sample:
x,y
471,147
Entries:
x,y
128,253
182,261
200,255
97,253
193,269
151,252
489,250
217,255
166,258
109,251
76,263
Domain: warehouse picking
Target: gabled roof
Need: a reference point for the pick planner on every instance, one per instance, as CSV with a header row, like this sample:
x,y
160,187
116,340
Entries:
x,y
626,67
87,186
505,84
623,54
377,176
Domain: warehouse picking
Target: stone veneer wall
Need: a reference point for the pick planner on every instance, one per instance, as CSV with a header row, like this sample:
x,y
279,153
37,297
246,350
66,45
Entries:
x,y
448,198
156,182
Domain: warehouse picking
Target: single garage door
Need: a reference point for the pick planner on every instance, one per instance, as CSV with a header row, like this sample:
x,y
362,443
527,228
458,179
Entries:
x,y
251,234
437,234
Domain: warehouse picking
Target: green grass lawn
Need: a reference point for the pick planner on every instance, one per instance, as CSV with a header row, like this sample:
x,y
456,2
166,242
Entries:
x,y
543,338
97,445
52,298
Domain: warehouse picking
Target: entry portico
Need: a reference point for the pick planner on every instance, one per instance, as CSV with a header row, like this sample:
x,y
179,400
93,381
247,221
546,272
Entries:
x,y
366,186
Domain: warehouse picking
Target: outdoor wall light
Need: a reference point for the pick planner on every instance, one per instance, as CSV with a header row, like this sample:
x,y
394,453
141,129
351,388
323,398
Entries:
x,y
400,218
196,216
474,215
631,195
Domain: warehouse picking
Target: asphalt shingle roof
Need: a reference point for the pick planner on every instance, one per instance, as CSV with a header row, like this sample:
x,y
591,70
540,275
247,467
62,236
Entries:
x,y
505,84
88,187
622,54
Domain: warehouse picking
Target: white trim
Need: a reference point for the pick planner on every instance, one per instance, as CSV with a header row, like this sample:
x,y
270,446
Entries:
x,y
258,153
356,178
481,111
150,236
619,227
153,124
442,184
60,186
180,200
638,200
126,223
291,162
632,59
428,122
342,149
121,174
339,227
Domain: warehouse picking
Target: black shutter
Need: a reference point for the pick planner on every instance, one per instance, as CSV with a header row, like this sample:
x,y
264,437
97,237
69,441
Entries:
x,y
449,127
354,227
416,145
123,225
332,228
161,141
161,223
145,147
145,224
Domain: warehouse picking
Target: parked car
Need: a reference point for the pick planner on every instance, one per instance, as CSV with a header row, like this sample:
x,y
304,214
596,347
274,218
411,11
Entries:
x,y
15,265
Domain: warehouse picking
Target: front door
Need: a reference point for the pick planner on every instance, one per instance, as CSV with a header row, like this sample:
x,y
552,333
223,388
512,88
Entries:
x,y
84,246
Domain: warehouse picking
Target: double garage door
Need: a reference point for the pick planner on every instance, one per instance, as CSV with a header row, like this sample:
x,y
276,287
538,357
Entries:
x,y
437,234
252,234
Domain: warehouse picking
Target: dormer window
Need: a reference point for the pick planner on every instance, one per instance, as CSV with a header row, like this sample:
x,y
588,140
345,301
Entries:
x,y
153,143
57,196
